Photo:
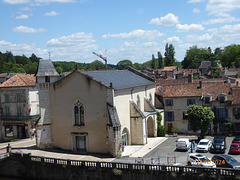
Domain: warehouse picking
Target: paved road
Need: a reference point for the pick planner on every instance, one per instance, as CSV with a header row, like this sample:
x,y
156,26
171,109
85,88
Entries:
x,y
160,154
167,149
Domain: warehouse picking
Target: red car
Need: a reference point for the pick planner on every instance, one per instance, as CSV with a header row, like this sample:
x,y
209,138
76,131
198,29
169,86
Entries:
x,y
234,148
236,140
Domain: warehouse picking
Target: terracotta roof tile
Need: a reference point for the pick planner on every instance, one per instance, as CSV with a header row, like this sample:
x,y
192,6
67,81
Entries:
x,y
236,95
193,89
20,80
169,68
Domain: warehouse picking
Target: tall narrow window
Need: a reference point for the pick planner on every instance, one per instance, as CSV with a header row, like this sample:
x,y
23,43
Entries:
x,y
18,98
79,114
6,98
7,111
19,111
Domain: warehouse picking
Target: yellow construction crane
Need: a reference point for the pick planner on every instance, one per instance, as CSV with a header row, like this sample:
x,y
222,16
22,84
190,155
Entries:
x,y
101,56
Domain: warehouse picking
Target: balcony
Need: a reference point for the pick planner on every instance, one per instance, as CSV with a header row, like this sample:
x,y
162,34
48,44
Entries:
x,y
20,118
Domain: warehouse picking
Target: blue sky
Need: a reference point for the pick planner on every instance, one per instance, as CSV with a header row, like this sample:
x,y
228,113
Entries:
x,y
128,29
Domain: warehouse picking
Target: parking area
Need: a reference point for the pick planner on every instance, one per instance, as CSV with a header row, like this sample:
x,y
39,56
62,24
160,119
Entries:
x,y
166,152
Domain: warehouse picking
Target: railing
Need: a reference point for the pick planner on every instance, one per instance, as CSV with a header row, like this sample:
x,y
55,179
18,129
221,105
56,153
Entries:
x,y
20,118
133,166
3,151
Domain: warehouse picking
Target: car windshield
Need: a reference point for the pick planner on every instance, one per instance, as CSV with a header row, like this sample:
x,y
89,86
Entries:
x,y
218,141
204,159
203,143
234,146
231,160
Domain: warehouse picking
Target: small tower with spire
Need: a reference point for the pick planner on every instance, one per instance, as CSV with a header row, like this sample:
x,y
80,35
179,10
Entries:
x,y
45,77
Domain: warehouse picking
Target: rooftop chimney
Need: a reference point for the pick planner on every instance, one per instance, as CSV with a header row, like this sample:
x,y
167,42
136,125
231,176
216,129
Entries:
x,y
200,84
190,78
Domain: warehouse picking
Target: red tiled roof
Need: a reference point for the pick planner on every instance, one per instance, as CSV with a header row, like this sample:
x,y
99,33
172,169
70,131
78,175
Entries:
x,y
20,80
193,89
236,95
169,68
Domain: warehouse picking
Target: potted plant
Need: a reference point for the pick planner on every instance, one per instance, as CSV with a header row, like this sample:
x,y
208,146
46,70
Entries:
x,y
175,131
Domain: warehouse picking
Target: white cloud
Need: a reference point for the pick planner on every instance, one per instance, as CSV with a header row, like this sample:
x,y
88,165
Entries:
x,y
20,49
134,51
24,29
53,1
37,1
195,1
52,13
23,16
222,7
196,38
173,39
168,20
221,20
136,34
17,1
196,10
191,27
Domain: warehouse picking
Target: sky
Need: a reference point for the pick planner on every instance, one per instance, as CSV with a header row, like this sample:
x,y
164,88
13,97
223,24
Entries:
x,y
70,30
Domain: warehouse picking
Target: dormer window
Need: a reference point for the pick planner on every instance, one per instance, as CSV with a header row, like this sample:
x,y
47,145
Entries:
x,y
222,98
207,98
47,78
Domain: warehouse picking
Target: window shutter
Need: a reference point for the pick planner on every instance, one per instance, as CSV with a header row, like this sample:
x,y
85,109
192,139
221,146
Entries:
x,y
234,111
166,117
172,116
171,102
226,113
194,101
188,102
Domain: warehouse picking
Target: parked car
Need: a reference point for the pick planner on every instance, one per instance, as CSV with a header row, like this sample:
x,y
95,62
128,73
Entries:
x,y
204,145
219,144
196,159
234,148
183,144
236,140
222,160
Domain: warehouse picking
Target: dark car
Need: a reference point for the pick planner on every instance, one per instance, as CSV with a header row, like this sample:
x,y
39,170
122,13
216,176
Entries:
x,y
226,161
218,145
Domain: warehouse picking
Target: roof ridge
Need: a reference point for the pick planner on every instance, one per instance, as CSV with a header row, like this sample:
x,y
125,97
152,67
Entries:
x,y
22,79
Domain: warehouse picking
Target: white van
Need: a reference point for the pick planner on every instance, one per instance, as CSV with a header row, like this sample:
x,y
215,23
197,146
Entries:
x,y
183,144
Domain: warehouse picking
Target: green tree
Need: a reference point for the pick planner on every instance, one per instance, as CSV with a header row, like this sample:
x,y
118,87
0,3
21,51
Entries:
x,y
194,56
137,66
59,70
199,118
96,65
124,64
153,64
160,61
34,58
169,59
161,130
230,56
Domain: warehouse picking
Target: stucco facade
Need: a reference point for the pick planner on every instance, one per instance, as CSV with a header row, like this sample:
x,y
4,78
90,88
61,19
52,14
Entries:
x,y
109,111
19,107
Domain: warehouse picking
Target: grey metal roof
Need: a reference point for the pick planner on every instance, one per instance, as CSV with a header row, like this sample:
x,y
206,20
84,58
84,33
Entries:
x,y
46,68
120,79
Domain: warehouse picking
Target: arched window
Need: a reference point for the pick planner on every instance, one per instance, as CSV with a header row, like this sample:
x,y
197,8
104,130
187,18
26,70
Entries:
x,y
79,114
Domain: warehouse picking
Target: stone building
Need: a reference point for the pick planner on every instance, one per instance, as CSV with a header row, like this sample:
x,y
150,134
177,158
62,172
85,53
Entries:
x,y
220,96
94,111
19,106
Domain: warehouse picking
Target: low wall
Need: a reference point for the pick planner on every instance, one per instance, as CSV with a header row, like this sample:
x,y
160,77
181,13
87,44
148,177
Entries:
x,y
27,166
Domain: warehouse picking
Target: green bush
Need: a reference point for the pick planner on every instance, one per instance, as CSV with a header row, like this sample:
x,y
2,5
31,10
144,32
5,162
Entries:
x,y
161,131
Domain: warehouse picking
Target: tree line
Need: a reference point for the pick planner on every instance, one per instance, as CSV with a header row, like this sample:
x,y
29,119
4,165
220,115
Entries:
x,y
229,56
